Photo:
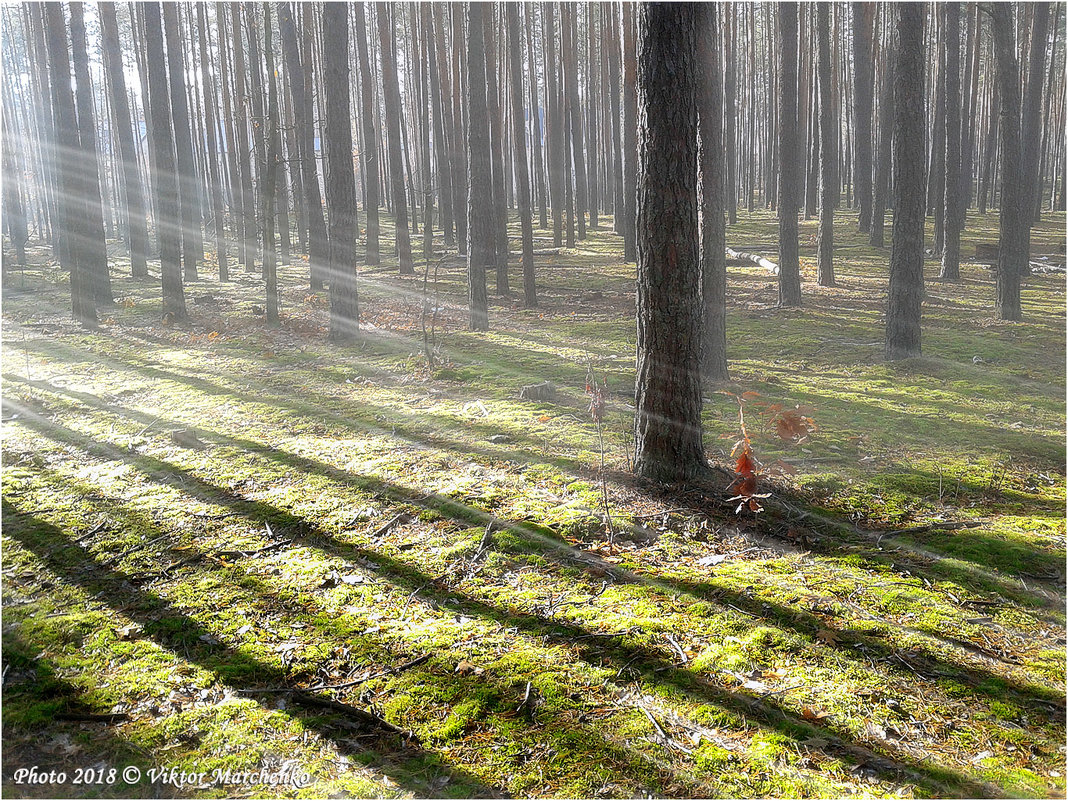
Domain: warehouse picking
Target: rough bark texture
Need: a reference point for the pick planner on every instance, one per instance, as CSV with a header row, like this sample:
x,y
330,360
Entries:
x,y
1015,199
136,222
515,76
668,441
340,179
713,169
863,26
481,248
166,183
790,160
825,248
906,249
949,53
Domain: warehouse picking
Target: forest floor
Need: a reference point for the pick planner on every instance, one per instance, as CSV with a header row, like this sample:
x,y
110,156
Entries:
x,y
234,548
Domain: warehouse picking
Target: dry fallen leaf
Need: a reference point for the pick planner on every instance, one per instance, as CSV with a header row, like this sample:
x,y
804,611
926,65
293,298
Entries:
x,y
465,668
809,713
828,637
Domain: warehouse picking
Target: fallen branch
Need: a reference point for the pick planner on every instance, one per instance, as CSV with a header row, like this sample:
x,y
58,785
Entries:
x,y
934,527
86,717
362,715
755,258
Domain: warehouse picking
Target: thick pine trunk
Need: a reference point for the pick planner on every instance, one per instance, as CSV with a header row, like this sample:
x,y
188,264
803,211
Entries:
x,y
906,249
668,436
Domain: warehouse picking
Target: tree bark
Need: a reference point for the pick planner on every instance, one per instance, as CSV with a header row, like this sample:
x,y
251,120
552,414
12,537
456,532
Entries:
x,y
825,237
499,207
949,53
790,159
713,170
530,294
481,247
906,250
340,178
863,27
392,102
668,435
886,133
369,157
630,141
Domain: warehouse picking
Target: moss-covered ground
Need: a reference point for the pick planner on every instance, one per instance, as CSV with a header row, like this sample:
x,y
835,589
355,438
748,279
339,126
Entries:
x,y
231,547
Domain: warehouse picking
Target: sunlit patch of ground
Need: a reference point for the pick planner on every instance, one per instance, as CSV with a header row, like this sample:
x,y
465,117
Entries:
x,y
263,552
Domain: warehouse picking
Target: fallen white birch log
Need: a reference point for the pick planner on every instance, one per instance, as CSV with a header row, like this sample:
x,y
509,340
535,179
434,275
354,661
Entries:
x,y
738,255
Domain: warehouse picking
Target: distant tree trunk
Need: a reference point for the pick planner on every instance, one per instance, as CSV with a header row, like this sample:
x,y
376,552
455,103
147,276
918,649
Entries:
x,y
668,435
949,53
537,118
391,100
863,27
790,161
481,249
166,185
340,178
728,33
569,62
530,293
713,169
592,107
611,41
271,158
188,194
137,226
244,156
556,126
14,208
630,140
969,119
1015,199
906,250
318,243
825,252
936,176
1031,120
442,128
886,132
214,178
369,156
499,207
92,249
458,156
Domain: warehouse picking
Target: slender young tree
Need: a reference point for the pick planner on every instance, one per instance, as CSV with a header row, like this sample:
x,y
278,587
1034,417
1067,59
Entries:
x,y
519,137
340,178
136,221
713,171
168,223
949,53
481,248
825,246
906,249
791,159
394,142
668,434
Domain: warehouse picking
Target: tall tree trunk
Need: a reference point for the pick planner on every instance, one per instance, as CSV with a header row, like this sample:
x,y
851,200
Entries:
x,y
630,139
530,294
949,53
93,254
369,157
188,194
537,118
340,178
458,156
863,27
668,435
790,161
610,40
136,222
569,62
885,132
1015,199
1031,119
481,248
441,118
556,125
730,109
298,73
906,250
248,204
713,169
168,222
14,208
499,207
271,157
825,250
214,178
392,102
